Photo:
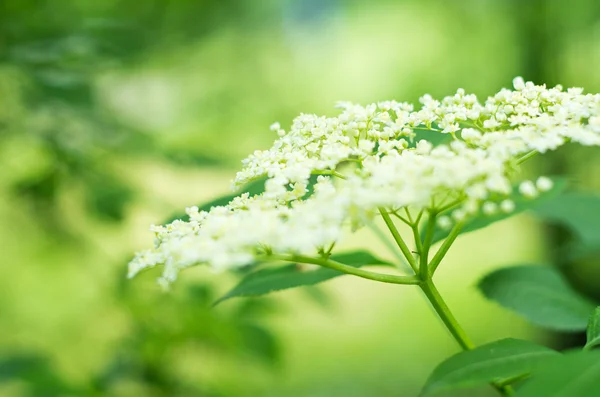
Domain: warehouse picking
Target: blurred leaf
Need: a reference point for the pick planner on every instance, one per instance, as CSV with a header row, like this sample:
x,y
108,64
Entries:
x,y
496,361
289,276
540,294
261,343
318,295
107,196
575,374
40,189
578,211
36,372
480,220
186,158
593,329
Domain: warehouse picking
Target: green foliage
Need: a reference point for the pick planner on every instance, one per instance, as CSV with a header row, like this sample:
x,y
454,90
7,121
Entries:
x,y
578,211
56,63
522,203
593,330
269,280
158,326
36,372
540,294
494,362
434,137
574,374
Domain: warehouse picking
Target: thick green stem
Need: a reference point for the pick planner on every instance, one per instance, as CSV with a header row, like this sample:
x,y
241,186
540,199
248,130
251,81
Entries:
x,y
446,315
457,332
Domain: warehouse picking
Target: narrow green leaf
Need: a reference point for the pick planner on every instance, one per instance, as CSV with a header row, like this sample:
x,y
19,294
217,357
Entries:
x,y
540,294
497,361
574,374
580,212
593,330
480,220
289,276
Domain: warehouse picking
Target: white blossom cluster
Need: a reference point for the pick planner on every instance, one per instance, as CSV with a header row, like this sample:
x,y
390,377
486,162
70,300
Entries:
x,y
370,158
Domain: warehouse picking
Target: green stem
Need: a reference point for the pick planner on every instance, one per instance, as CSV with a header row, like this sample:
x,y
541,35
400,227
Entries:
x,y
527,156
449,206
417,236
331,264
391,247
401,244
457,332
426,245
439,255
446,315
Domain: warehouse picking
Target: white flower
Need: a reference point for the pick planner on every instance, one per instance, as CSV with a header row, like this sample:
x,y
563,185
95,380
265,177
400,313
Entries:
x,y
544,184
507,206
470,134
374,148
528,189
519,83
490,208
444,222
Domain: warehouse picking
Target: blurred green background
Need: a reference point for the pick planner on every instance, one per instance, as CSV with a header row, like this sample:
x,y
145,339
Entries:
x,y
116,114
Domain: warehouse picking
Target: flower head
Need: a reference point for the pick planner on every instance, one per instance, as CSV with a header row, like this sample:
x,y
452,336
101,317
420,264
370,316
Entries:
x,y
371,158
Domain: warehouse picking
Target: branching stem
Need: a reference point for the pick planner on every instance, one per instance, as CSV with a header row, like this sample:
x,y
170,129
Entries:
x,y
398,238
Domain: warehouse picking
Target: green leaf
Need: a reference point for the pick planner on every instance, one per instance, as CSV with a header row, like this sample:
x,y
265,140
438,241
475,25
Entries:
x,y
593,329
497,361
289,276
434,137
480,220
540,294
580,212
575,374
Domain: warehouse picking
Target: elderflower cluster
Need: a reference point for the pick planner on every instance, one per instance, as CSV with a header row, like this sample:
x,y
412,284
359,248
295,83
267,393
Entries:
x,y
370,159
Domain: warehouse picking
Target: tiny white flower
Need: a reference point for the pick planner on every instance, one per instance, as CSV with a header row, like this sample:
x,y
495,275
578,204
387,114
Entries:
x,y
544,184
519,83
424,147
528,189
490,208
469,134
507,206
444,222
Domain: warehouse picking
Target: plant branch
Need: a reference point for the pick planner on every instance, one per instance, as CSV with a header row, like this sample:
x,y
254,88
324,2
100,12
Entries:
x,y
331,264
526,156
401,244
457,332
427,245
439,255
391,246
